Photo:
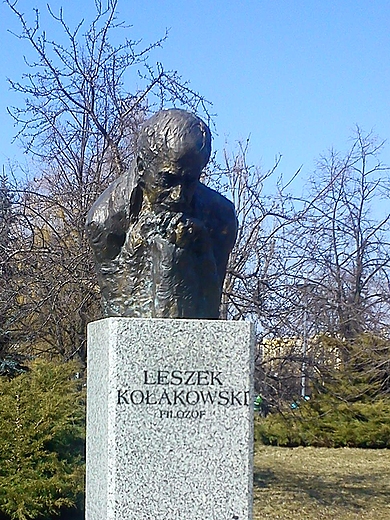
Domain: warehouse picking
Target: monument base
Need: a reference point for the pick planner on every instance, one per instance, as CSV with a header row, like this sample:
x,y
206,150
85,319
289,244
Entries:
x,y
169,420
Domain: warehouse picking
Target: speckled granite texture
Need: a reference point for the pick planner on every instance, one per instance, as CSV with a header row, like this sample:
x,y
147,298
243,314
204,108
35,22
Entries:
x,y
169,420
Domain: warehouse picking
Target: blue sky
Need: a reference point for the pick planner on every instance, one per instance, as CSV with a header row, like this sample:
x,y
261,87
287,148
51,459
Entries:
x,y
294,75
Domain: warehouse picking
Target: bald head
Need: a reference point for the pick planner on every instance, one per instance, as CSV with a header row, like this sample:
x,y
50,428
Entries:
x,y
175,136
172,149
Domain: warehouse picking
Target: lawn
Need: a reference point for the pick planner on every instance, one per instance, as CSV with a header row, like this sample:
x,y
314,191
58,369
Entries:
x,y
321,483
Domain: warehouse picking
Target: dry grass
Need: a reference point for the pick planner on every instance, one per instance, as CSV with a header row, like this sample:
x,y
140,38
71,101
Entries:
x,y
321,483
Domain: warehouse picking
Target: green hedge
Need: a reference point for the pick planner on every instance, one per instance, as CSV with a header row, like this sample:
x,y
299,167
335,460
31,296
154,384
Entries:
x,y
42,415
349,405
323,422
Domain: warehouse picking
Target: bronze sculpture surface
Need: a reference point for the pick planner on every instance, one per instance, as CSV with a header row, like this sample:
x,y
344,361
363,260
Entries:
x,y
161,238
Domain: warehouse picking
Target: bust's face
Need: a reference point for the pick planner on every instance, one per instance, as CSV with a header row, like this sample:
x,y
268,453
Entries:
x,y
173,148
169,185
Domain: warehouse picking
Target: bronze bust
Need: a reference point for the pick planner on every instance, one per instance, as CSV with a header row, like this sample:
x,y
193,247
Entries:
x,y
161,238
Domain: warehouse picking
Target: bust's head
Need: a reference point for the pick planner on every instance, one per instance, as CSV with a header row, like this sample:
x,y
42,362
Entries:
x,y
173,148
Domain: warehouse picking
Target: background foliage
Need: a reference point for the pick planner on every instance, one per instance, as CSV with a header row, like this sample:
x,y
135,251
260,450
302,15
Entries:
x,y
349,404
42,415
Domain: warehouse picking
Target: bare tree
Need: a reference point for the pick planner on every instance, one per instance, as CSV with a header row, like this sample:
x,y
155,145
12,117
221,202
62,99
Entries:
x,y
337,272
254,262
79,123
343,240
6,296
313,266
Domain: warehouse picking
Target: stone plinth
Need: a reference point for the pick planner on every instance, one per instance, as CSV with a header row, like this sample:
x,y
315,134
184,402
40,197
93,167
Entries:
x,y
169,420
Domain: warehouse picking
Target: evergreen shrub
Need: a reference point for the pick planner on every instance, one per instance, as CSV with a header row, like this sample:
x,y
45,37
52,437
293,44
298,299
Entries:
x,y
42,417
349,404
323,424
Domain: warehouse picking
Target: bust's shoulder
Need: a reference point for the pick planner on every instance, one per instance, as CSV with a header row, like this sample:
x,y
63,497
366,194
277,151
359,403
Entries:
x,y
211,202
219,216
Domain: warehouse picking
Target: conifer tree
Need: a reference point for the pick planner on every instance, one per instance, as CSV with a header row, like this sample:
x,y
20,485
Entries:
x,y
41,441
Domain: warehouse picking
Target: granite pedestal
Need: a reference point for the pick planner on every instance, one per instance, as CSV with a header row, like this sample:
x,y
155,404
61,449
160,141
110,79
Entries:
x,y
169,420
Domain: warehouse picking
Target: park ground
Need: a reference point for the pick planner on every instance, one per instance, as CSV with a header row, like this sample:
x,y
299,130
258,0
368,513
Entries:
x,y
321,484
